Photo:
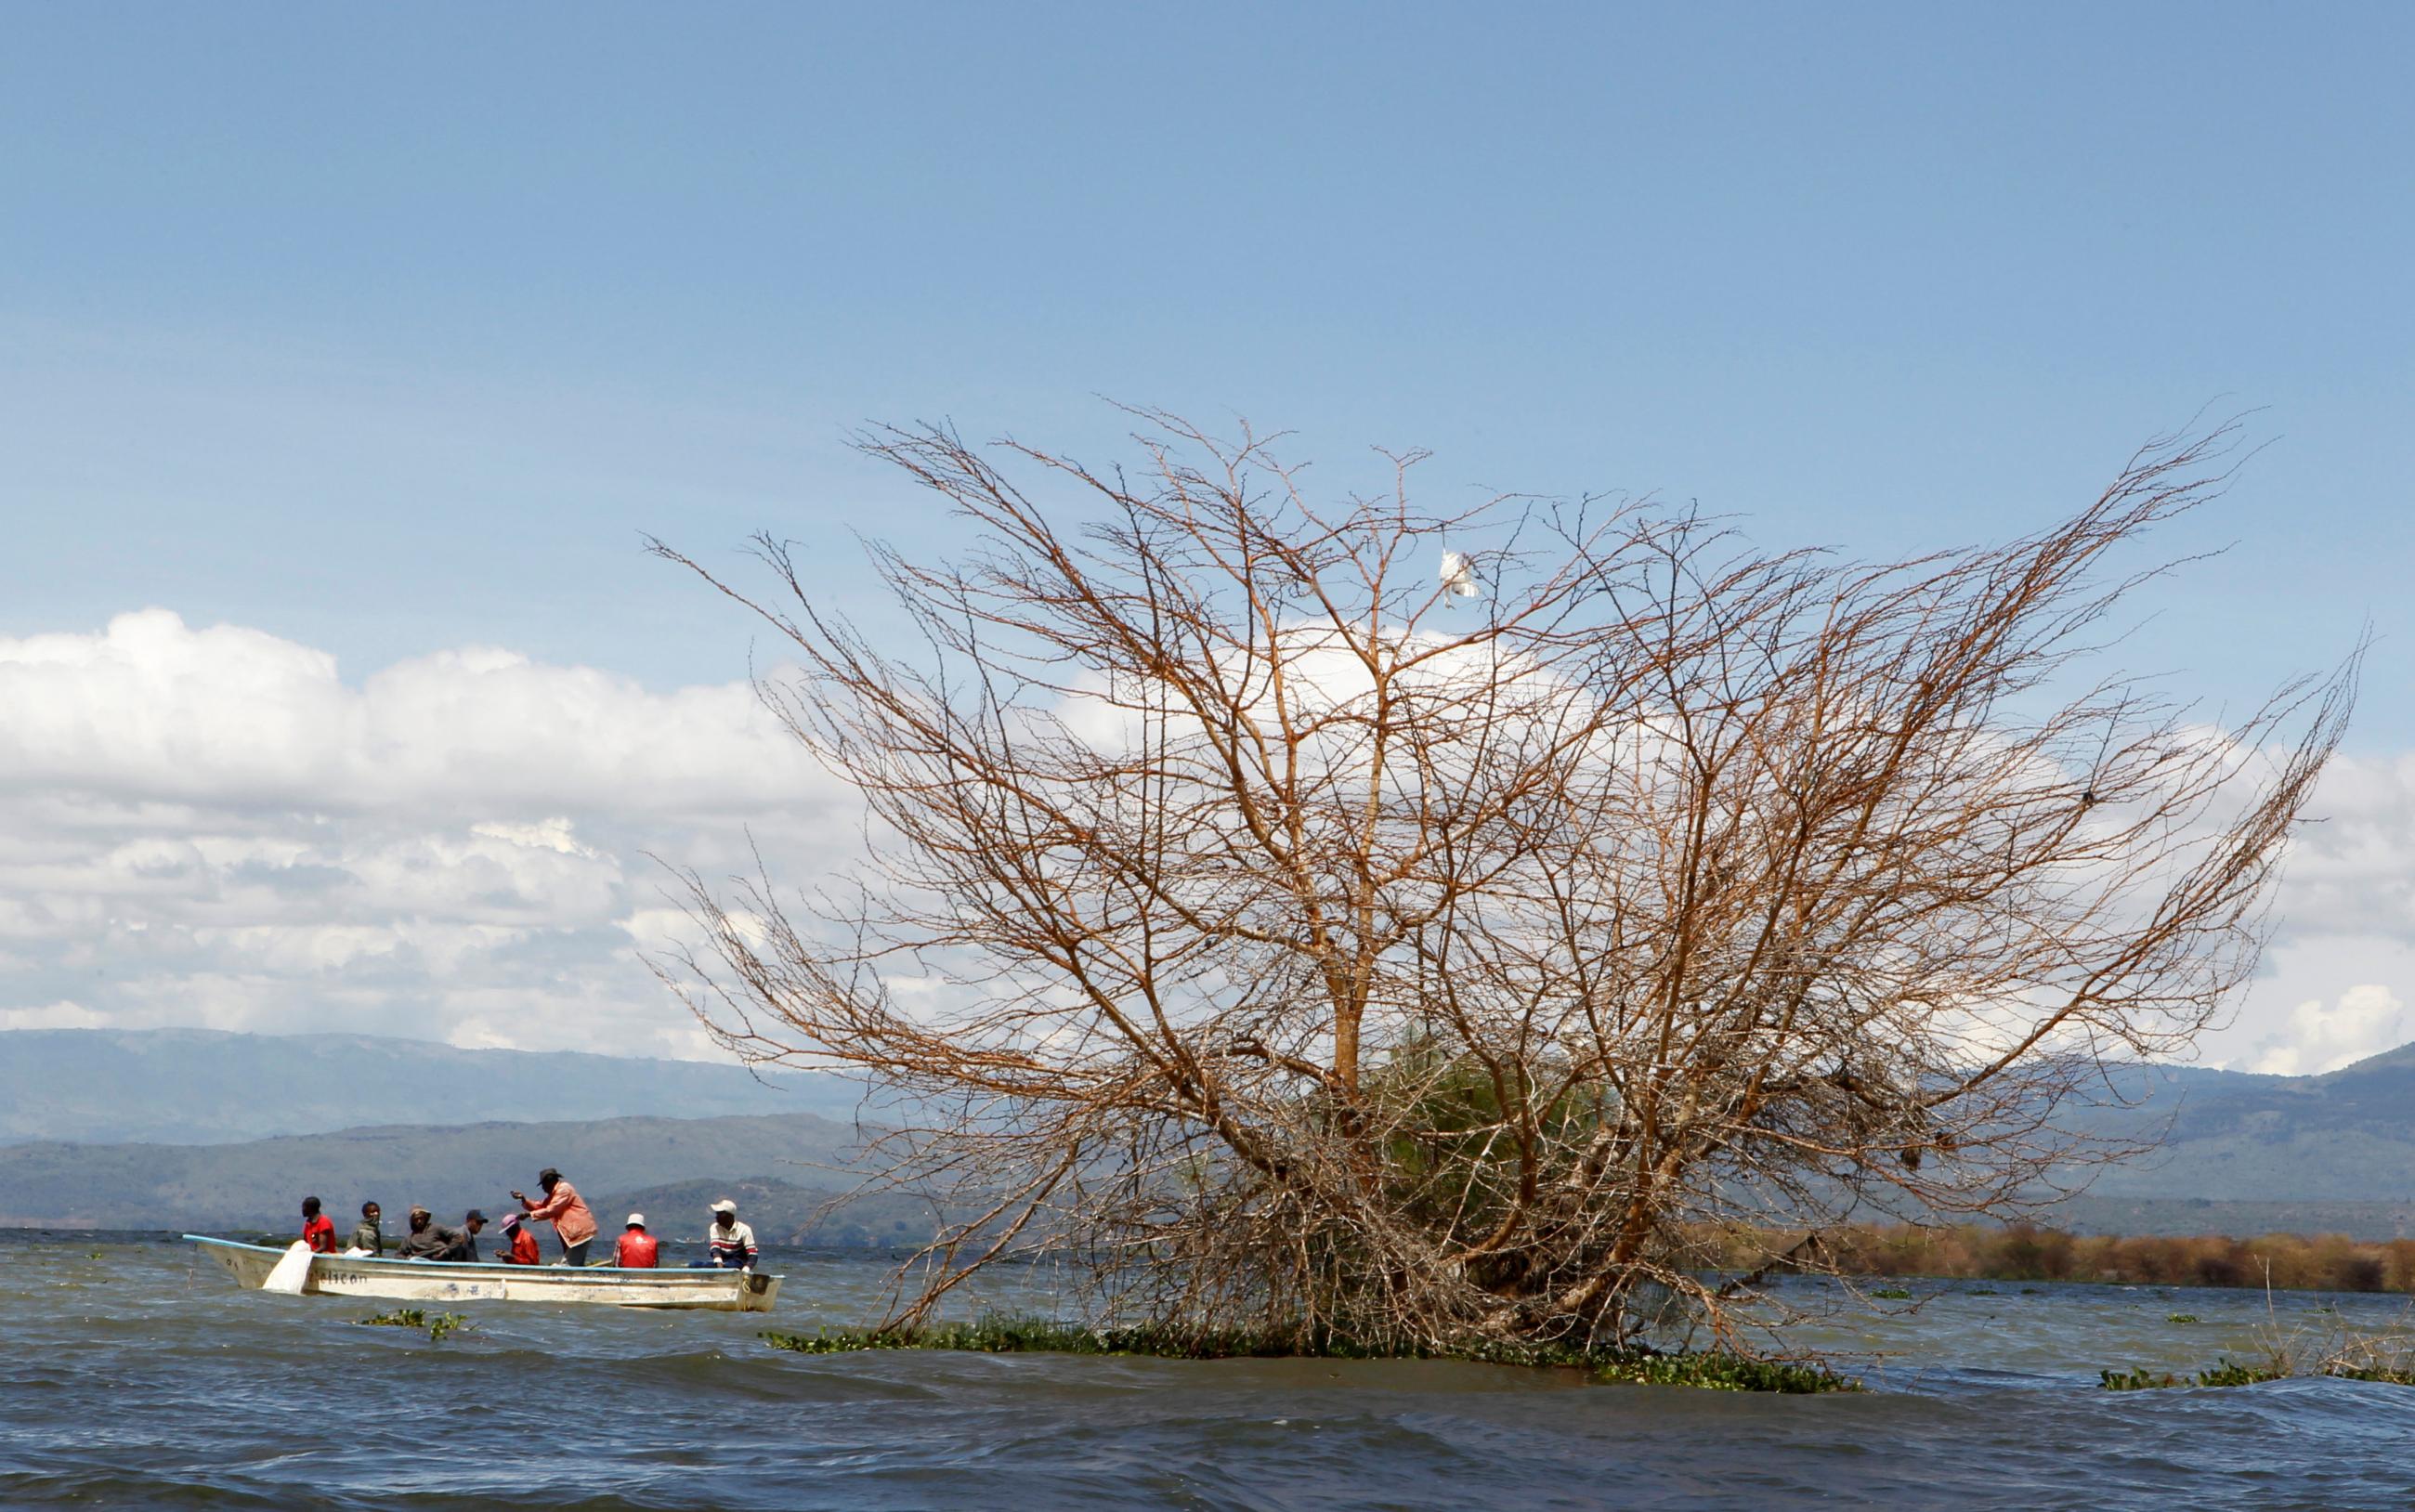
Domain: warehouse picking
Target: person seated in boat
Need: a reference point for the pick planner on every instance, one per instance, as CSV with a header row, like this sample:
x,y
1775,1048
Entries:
x,y
636,1249
427,1238
573,1225
521,1243
367,1238
732,1242
472,1224
318,1229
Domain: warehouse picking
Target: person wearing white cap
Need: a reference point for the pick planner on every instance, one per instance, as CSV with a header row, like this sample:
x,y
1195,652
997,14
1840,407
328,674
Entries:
x,y
636,1249
733,1243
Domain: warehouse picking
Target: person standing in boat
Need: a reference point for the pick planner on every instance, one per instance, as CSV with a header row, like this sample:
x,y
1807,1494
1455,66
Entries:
x,y
733,1243
636,1249
318,1229
573,1225
521,1243
367,1238
428,1239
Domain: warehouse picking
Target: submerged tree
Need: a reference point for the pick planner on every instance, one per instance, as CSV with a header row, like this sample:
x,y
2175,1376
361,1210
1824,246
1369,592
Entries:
x,y
1353,922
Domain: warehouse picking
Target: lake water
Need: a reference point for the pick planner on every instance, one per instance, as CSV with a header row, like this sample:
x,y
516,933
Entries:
x,y
142,1378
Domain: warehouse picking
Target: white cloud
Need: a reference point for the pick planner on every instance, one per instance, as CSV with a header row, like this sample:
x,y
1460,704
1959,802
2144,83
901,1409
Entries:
x,y
209,826
2353,870
550,835
2344,948
59,1015
212,826
152,711
655,929
2365,1019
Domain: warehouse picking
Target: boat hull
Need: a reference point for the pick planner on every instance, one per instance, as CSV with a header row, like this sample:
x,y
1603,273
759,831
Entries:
x,y
429,1281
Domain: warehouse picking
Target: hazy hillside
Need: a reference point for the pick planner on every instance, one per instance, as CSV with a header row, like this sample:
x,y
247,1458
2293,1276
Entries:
x,y
781,1212
2347,1136
452,1169
201,1086
2241,1219
2239,1153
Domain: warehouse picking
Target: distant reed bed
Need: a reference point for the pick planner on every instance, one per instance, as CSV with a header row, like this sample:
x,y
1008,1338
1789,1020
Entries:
x,y
2295,1262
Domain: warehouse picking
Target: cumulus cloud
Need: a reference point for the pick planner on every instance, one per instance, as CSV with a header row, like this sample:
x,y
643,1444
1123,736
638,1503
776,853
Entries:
x,y
2353,871
211,826
154,711
2343,953
214,826
2320,1037
59,1015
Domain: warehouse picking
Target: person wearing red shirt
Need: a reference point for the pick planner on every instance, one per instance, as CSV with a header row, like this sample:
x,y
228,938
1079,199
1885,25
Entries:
x,y
636,1249
318,1229
523,1250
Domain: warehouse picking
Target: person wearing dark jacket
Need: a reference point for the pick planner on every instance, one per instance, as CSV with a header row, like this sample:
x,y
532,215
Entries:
x,y
367,1235
467,1248
428,1239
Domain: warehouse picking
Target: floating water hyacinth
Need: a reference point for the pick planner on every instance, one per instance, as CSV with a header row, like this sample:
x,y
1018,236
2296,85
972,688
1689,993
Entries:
x,y
437,1326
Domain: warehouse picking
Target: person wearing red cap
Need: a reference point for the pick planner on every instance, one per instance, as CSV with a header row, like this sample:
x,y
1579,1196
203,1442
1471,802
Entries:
x,y
636,1249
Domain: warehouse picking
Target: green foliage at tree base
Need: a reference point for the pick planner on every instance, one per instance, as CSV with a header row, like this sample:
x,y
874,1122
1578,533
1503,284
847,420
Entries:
x,y
2224,1374
1000,1335
1722,1373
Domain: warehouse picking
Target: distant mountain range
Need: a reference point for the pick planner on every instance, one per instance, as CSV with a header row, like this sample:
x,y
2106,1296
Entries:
x,y
780,1212
201,1087
192,1128
2345,1136
681,1164
161,1129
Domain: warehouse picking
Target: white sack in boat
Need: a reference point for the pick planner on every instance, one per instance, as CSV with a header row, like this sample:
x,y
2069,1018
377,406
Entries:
x,y
290,1271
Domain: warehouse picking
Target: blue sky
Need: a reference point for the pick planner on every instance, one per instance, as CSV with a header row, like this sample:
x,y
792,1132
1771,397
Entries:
x,y
386,332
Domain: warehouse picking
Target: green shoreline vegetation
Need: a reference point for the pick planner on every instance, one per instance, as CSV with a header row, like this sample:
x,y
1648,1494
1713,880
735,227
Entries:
x,y
1009,1336
2278,1366
2022,1252
2383,1356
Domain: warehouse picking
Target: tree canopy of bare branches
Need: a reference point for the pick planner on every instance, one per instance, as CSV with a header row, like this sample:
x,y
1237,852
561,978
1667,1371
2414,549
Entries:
x,y
1306,943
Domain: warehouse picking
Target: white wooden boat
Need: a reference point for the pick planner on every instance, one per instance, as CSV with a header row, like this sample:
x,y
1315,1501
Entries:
x,y
444,1280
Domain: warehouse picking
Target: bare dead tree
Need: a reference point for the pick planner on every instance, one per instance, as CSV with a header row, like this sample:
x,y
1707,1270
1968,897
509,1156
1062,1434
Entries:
x,y
1307,947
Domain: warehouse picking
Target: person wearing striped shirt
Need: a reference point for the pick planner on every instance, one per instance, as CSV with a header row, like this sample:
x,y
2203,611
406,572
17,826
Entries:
x,y
733,1243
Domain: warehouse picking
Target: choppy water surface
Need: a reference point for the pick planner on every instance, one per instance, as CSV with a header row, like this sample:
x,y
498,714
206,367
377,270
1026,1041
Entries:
x,y
142,1378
